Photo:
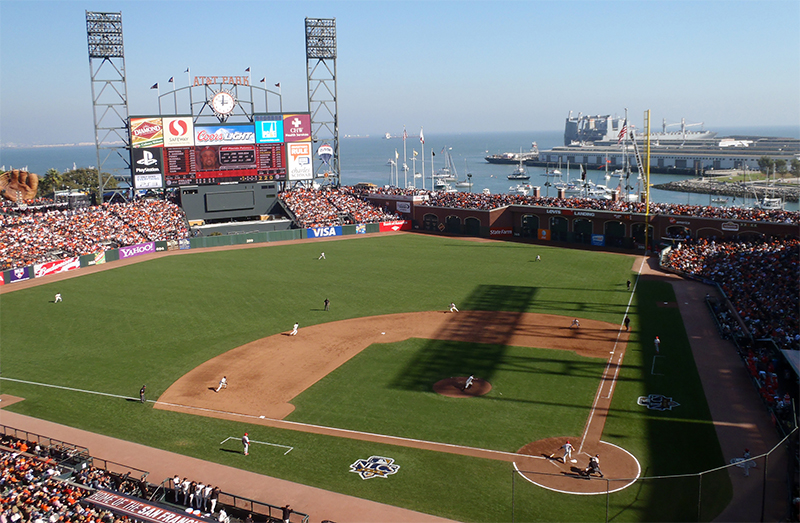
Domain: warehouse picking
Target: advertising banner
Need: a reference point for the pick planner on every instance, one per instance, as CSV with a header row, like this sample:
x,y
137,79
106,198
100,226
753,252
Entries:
x,y
269,131
2,278
16,275
147,132
140,510
361,228
178,131
324,232
100,257
137,250
297,127
54,267
499,232
544,234
598,240
148,168
404,207
238,134
399,225
299,166
184,244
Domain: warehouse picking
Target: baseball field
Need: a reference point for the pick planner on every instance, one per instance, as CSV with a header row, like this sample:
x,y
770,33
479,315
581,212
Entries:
x,y
378,374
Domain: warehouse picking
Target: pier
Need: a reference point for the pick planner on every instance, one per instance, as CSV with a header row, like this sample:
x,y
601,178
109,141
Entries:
x,y
788,193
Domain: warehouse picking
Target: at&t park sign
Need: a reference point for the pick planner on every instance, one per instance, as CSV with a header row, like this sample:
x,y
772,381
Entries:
x,y
212,80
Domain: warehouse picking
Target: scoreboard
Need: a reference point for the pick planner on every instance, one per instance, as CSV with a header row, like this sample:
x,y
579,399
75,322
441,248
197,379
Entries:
x,y
173,151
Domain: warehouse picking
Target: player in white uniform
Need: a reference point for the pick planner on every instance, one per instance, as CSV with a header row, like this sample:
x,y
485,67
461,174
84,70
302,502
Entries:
x,y
246,443
453,307
567,451
223,384
322,256
468,384
575,323
294,329
58,298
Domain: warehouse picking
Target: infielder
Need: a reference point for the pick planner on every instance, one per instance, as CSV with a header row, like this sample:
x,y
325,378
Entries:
x,y
453,307
567,451
57,298
141,393
294,329
575,323
327,303
223,384
468,384
246,443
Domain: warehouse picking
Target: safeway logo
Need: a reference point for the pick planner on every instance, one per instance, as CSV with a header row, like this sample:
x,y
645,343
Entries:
x,y
322,232
178,128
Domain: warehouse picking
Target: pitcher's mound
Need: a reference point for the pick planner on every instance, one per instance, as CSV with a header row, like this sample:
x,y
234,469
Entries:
x,y
454,387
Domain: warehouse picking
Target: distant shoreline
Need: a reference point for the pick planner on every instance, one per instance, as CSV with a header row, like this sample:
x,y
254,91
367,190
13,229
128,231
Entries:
x,y
81,144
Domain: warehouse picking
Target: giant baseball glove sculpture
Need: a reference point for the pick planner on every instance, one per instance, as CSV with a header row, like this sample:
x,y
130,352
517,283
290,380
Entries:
x,y
18,185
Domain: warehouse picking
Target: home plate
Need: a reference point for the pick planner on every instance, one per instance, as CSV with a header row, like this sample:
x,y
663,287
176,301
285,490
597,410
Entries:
x,y
383,333
573,461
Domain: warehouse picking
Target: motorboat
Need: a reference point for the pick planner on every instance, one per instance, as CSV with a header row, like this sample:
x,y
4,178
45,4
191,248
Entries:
x,y
521,189
769,204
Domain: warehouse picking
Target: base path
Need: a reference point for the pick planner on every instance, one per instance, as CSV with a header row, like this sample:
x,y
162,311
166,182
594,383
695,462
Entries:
x,y
265,375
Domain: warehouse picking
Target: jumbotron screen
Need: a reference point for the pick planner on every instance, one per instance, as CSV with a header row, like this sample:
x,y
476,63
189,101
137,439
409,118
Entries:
x,y
174,151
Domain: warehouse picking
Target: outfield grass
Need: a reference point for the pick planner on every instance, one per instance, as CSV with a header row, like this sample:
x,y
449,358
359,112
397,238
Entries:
x,y
154,321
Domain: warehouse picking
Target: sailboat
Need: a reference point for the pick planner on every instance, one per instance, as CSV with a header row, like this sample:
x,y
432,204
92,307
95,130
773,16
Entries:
x,y
467,183
447,173
519,173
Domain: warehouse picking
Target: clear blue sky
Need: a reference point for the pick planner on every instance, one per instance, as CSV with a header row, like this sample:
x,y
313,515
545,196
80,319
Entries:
x,y
450,66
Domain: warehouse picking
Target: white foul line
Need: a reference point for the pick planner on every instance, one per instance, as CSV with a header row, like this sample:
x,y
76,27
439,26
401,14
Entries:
x,y
260,443
610,360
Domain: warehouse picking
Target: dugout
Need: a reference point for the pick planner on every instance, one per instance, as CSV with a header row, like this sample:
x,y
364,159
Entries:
x,y
216,203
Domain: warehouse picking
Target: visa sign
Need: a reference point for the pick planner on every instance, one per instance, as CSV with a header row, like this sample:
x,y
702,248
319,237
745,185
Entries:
x,y
324,232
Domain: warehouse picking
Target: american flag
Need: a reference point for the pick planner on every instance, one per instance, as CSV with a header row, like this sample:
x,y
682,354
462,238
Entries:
x,y
405,134
421,137
622,131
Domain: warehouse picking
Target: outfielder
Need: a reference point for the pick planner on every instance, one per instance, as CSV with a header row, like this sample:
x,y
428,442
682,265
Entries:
x,y
453,307
294,329
57,298
322,256
246,443
223,384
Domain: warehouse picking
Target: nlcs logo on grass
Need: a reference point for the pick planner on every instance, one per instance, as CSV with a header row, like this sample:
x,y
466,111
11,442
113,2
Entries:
x,y
374,467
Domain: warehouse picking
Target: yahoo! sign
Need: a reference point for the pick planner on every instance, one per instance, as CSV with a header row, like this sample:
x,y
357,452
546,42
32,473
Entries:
x,y
137,250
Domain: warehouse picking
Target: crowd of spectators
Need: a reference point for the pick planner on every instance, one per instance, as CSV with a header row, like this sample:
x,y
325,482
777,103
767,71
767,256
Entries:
x,y
331,206
482,201
31,490
761,279
30,236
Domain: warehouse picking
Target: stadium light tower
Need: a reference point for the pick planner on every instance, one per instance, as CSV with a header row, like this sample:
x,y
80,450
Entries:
x,y
109,90
322,93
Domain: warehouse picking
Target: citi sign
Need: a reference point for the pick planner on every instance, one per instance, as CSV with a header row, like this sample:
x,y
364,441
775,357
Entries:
x,y
322,232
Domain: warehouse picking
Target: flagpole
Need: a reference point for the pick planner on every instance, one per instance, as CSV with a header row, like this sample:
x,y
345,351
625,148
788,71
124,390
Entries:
x,y
191,102
174,96
422,139
405,159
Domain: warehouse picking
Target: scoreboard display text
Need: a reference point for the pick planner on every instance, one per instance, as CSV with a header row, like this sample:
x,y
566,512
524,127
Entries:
x,y
189,154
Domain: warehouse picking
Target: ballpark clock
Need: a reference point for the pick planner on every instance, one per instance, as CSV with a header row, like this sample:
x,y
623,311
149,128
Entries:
x,y
222,103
